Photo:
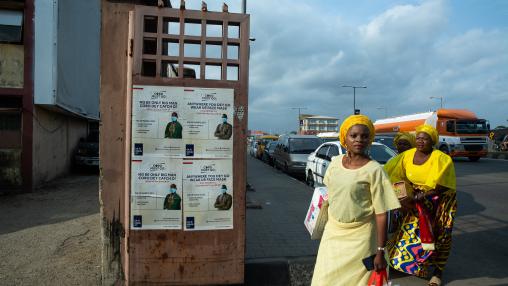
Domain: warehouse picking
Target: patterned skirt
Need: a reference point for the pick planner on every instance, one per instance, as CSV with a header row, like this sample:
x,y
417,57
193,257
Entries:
x,y
404,247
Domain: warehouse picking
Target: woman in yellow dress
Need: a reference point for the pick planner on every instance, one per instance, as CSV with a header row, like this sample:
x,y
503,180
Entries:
x,y
359,195
403,141
432,175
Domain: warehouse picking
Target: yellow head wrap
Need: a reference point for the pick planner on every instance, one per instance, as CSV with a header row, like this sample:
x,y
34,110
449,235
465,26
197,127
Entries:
x,y
431,131
356,120
405,136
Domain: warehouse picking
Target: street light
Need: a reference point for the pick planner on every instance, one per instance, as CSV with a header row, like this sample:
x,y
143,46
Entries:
x,y
299,125
354,95
386,110
438,97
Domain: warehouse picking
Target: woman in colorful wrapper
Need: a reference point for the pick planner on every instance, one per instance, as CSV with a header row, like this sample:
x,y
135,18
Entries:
x,y
359,196
422,241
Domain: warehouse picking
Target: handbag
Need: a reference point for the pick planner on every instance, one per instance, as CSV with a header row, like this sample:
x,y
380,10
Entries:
x,y
317,215
379,279
426,235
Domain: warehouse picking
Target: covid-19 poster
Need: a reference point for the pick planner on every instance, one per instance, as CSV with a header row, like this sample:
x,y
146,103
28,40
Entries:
x,y
181,158
156,193
208,195
182,122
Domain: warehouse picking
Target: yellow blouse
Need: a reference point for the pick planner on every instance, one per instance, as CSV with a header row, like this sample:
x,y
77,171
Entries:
x,y
437,170
392,167
355,194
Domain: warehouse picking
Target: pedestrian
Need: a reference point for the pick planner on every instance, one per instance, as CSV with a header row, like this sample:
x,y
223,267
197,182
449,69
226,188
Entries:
x,y
419,245
359,196
403,141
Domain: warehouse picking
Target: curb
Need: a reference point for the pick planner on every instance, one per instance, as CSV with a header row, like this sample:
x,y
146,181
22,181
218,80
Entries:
x,y
498,155
279,271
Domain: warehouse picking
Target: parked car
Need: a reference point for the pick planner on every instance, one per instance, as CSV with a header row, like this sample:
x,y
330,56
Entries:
x,y
320,159
387,140
292,151
87,151
268,152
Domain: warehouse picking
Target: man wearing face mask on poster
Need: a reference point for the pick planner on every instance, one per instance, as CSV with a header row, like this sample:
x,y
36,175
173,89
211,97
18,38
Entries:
x,y
224,130
224,200
173,200
174,128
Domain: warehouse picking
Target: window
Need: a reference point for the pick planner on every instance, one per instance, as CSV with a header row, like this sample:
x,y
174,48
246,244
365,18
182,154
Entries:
x,y
11,26
321,153
334,151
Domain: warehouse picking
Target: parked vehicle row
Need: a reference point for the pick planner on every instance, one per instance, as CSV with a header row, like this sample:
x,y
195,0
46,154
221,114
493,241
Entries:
x,y
309,156
319,160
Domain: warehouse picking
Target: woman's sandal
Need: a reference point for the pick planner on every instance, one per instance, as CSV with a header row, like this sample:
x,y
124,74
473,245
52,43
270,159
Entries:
x,y
435,281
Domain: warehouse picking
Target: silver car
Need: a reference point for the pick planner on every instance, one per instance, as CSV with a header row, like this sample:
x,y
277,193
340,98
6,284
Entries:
x,y
320,159
291,152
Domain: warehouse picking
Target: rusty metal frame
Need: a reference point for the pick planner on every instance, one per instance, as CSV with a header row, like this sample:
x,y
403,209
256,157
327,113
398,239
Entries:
x,y
26,92
201,257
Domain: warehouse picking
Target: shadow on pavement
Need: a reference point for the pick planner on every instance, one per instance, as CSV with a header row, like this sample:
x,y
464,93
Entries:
x,y
60,200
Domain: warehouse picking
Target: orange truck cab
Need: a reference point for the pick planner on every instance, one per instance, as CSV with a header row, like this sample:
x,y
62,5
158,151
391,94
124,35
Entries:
x,y
461,133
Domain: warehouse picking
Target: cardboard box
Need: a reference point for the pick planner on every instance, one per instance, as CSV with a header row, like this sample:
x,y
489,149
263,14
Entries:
x,y
403,190
317,215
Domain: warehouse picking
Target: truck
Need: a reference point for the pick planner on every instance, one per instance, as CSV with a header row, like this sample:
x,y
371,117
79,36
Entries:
x,y
461,132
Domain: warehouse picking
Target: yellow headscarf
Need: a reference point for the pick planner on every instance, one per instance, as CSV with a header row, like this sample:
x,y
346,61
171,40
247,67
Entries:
x,y
356,120
431,131
405,136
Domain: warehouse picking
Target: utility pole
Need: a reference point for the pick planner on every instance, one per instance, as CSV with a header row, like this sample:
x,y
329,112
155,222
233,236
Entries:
x,y
438,97
299,113
354,96
386,110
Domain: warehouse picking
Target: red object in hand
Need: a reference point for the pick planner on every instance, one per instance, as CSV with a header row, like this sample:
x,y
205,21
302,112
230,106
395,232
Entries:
x,y
378,278
426,235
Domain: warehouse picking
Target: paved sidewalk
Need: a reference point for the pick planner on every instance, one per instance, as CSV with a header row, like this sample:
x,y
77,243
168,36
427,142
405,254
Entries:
x,y
276,230
279,250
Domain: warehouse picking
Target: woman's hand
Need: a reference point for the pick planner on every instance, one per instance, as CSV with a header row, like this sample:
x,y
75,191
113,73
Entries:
x,y
379,261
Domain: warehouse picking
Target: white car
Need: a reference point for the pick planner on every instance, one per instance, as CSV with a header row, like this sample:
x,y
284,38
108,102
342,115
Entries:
x,y
319,160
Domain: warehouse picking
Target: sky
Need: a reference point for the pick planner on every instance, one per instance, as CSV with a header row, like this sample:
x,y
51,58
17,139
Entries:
x,y
404,52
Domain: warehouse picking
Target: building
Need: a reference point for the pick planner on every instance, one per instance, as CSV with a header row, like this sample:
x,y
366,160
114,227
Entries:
x,y
313,124
49,86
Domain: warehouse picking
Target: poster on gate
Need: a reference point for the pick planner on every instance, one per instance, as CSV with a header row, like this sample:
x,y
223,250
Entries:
x,y
156,194
180,122
207,194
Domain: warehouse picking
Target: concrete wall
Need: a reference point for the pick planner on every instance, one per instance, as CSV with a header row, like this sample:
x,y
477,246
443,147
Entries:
x,y
12,58
55,137
45,52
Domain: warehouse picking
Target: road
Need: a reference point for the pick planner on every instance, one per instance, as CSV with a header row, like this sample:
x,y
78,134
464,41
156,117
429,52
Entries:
x,y
52,236
480,232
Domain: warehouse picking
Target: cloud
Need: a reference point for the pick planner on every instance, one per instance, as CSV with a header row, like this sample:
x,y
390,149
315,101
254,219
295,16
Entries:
x,y
404,55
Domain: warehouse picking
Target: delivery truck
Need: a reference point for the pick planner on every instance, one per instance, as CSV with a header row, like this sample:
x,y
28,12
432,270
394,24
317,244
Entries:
x,y
461,132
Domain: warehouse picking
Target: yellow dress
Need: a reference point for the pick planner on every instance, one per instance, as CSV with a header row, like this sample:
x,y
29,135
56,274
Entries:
x,y
354,196
404,247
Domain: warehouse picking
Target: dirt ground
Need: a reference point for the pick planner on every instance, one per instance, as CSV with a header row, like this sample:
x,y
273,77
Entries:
x,y
52,236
